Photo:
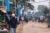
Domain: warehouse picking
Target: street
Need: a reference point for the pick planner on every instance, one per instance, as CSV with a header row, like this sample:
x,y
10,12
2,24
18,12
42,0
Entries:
x,y
35,27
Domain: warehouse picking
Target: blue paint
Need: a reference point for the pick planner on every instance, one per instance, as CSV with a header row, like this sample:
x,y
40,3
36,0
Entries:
x,y
7,4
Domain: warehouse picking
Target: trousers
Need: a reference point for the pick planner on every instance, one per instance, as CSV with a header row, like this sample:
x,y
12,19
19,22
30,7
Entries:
x,y
12,30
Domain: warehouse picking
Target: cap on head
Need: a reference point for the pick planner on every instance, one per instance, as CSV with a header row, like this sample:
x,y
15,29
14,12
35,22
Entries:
x,y
13,15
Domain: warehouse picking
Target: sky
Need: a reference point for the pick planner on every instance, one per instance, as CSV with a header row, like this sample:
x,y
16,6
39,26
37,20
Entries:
x,y
38,2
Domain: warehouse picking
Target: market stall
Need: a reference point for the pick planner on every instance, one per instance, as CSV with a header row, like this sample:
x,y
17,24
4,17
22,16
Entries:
x,y
3,24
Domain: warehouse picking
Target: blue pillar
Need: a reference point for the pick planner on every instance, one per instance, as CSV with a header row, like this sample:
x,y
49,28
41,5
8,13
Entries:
x,y
18,8
7,4
18,11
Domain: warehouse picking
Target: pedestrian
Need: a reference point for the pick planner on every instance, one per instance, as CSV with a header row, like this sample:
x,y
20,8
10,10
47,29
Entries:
x,y
21,19
26,19
13,24
49,20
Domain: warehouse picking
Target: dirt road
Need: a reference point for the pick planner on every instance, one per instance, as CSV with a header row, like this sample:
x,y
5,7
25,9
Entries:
x,y
35,27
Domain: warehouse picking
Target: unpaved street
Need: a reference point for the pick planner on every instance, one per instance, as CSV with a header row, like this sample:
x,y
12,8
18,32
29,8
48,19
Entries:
x,y
35,27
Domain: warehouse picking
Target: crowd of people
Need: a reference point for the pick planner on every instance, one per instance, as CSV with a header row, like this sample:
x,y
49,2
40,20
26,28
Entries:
x,y
12,20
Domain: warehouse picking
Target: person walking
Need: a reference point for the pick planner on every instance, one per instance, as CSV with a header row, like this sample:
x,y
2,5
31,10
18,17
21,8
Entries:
x,y
49,20
13,24
26,19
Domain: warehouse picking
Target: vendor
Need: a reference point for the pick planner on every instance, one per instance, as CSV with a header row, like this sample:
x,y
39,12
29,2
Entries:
x,y
2,12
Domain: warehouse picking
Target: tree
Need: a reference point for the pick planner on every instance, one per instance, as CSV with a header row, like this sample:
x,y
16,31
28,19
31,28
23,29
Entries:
x,y
25,4
43,9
